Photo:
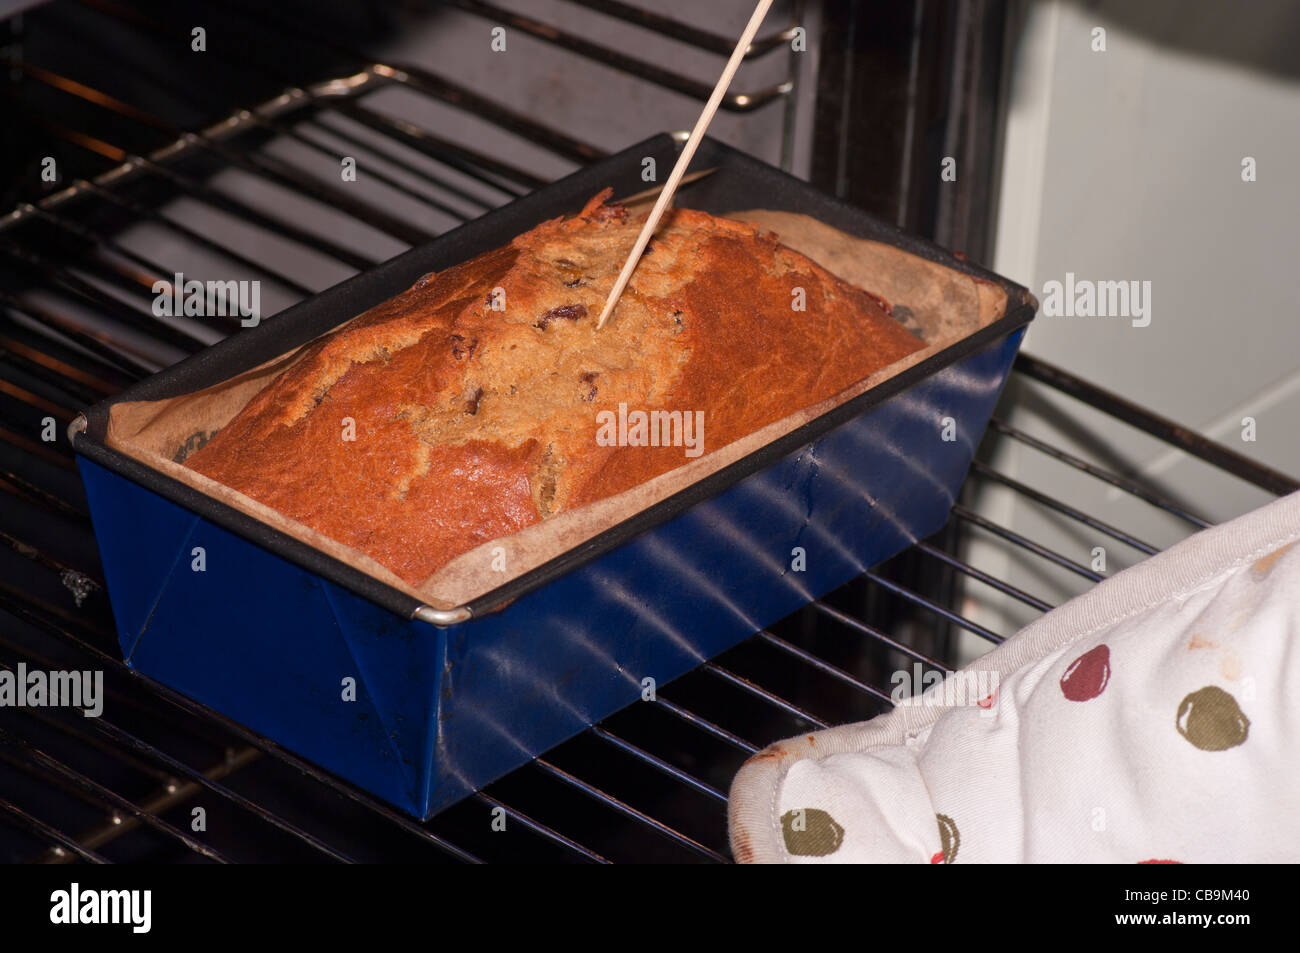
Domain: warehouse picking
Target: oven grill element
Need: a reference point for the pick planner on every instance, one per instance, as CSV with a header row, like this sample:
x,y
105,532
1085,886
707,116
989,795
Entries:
x,y
648,784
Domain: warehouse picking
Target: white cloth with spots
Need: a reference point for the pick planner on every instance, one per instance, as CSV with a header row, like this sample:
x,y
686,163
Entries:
x,y
1154,718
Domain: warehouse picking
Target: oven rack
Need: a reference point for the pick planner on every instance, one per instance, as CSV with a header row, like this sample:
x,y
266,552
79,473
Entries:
x,y
649,783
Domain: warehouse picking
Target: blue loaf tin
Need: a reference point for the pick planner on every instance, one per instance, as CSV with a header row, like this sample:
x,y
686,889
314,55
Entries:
x,y
447,701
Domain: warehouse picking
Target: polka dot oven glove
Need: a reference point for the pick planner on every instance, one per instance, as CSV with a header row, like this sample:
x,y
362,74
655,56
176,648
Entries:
x,y
1152,719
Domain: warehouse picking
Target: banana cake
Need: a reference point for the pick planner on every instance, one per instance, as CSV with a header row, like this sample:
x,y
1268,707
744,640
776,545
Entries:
x,y
482,400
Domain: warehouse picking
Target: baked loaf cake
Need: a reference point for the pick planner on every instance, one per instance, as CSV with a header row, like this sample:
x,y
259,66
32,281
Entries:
x,y
476,397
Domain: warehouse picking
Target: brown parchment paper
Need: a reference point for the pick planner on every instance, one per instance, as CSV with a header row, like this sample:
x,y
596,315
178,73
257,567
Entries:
x,y
938,304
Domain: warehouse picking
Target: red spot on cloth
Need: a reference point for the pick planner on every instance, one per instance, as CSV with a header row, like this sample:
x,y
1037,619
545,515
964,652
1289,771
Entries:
x,y
1159,862
1087,675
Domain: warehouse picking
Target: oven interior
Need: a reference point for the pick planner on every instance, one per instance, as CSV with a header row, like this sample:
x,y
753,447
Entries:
x,y
131,154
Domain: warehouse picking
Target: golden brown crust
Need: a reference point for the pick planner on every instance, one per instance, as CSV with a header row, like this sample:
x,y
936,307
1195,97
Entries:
x,y
474,397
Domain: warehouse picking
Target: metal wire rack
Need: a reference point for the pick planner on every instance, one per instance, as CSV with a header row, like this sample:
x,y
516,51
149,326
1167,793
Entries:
x,y
649,783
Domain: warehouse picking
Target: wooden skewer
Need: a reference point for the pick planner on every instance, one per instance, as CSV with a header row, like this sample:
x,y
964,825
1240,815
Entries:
x,y
688,151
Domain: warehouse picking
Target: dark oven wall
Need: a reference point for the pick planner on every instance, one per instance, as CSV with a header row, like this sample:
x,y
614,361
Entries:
x,y
877,95
575,79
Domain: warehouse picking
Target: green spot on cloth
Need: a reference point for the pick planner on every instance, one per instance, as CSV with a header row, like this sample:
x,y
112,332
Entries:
x,y
949,837
1211,719
811,832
